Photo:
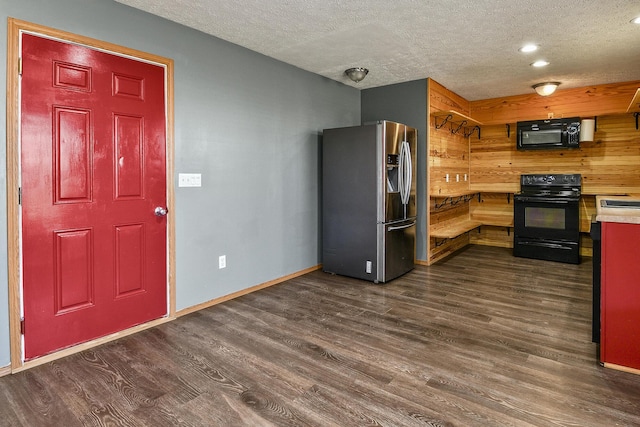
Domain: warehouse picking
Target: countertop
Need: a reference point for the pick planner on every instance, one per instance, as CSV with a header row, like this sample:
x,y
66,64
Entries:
x,y
626,215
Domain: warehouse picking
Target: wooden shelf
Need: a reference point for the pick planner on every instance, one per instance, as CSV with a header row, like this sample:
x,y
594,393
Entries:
x,y
497,188
453,229
441,118
494,221
454,194
456,117
634,107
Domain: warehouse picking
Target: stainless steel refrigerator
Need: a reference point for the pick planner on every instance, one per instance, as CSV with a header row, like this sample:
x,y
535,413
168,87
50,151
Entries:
x,y
369,200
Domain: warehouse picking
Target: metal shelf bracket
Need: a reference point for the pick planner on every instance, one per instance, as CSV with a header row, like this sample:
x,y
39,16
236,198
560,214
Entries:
x,y
446,119
460,126
441,242
443,203
454,200
467,135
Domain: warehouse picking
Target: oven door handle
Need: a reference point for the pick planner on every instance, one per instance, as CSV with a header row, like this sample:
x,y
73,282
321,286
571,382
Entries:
x,y
553,200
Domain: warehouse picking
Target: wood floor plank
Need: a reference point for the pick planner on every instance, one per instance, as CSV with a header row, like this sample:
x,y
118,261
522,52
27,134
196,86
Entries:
x,y
478,339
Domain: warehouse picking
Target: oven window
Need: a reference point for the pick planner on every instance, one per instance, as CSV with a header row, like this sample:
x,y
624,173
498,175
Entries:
x,y
544,218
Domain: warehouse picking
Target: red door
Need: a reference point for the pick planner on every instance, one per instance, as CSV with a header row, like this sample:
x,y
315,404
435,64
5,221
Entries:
x,y
93,171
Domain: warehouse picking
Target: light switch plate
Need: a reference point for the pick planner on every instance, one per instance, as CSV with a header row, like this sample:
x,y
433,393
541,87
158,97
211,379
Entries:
x,y
189,180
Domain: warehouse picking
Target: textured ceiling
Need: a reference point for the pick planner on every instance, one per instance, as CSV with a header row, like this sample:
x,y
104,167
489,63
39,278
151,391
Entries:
x,y
469,46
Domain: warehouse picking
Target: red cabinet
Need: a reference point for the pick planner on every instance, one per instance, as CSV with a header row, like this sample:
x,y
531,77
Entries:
x,y
620,315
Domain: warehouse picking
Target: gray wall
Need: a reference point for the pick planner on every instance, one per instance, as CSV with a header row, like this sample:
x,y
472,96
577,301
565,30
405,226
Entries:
x,y
249,124
405,103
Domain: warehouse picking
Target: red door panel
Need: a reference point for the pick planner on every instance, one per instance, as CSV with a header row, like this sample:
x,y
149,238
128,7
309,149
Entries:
x,y
73,281
93,169
620,335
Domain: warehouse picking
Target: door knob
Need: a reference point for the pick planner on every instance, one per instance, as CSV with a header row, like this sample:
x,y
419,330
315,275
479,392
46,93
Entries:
x,y
160,211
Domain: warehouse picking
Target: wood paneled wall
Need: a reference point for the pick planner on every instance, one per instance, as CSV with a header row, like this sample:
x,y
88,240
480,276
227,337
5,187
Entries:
x,y
609,165
448,154
598,100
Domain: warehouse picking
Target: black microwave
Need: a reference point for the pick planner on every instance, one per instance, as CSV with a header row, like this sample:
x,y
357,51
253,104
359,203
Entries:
x,y
547,134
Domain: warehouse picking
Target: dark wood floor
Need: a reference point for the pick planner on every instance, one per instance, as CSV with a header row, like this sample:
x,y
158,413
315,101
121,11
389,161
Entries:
x,y
480,339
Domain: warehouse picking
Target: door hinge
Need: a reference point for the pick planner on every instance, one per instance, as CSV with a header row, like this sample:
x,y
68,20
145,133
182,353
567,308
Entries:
x,y
22,326
19,66
19,195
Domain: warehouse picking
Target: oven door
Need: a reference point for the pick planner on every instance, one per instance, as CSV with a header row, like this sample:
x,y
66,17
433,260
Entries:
x,y
547,217
547,227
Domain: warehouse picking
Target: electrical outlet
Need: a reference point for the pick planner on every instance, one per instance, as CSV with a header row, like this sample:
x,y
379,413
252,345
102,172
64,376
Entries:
x,y
549,115
222,261
367,267
446,178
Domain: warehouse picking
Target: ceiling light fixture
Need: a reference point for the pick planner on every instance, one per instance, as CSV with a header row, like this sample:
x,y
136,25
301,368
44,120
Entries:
x,y
527,48
636,20
540,63
546,88
356,74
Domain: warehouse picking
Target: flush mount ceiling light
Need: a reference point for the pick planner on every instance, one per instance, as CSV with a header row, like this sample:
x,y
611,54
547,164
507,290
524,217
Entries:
x,y
635,20
527,48
356,74
546,88
540,63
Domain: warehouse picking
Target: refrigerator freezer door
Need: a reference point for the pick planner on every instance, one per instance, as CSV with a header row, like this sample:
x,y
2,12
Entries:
x,y
396,249
390,136
411,136
349,202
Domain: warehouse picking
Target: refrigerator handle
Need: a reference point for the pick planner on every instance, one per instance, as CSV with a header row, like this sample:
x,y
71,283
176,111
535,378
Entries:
x,y
402,227
405,172
409,172
401,172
